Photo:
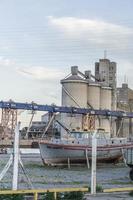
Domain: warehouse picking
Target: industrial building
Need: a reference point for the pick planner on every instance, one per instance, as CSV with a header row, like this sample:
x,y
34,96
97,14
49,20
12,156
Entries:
x,y
125,103
98,92
105,72
124,95
80,90
37,128
84,90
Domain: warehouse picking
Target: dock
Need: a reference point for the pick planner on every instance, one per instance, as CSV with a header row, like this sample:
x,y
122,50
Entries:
x,y
23,143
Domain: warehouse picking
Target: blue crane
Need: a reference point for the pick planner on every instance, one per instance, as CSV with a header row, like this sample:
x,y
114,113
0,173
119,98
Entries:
x,y
63,109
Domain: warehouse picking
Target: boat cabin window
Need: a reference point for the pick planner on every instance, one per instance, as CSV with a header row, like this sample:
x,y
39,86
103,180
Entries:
x,y
80,135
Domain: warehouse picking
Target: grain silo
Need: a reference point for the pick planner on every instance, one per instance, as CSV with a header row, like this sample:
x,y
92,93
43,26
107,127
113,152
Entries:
x,y
74,93
105,104
106,98
93,95
93,99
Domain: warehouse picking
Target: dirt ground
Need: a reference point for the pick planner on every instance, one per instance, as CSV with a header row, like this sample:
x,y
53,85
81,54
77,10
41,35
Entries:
x,y
110,196
42,177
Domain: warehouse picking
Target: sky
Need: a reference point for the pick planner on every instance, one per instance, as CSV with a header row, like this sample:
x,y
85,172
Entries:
x,y
41,39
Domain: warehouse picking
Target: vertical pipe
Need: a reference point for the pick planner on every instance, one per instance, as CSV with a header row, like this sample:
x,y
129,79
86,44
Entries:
x,y
15,158
93,167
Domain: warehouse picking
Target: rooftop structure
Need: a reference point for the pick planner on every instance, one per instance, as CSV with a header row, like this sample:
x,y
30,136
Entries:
x,y
105,72
124,94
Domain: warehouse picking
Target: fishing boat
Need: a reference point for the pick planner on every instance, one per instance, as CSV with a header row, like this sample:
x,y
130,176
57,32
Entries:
x,y
77,148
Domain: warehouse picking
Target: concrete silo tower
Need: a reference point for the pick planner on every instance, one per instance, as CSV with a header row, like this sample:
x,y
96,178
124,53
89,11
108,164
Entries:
x,y
74,93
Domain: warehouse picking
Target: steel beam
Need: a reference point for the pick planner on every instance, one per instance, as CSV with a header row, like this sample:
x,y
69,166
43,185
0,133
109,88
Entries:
x,y
62,109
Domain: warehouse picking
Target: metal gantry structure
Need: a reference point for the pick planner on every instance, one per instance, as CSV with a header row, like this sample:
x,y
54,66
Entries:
x,y
9,119
10,111
63,109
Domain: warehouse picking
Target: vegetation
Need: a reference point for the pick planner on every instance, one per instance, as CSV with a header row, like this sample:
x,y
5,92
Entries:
x,y
120,182
64,196
48,196
11,197
98,188
72,196
131,193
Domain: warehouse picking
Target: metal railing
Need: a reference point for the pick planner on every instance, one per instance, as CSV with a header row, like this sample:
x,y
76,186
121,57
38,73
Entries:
x,y
36,192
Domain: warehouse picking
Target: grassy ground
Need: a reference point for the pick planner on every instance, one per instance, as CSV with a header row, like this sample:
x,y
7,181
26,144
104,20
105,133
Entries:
x,y
108,176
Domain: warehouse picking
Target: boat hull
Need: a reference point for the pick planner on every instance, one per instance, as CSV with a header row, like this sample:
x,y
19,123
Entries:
x,y
58,154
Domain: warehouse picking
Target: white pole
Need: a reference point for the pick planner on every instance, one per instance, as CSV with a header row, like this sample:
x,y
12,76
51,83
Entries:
x,y
93,166
15,158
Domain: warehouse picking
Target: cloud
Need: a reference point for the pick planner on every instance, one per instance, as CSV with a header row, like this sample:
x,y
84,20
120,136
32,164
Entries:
x,y
93,31
6,62
41,81
42,73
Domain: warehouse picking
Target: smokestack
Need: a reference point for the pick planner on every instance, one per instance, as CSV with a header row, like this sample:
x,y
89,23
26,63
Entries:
x,y
88,74
74,70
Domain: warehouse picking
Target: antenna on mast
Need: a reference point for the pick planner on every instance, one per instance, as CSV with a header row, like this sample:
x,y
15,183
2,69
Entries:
x,y
105,54
125,78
